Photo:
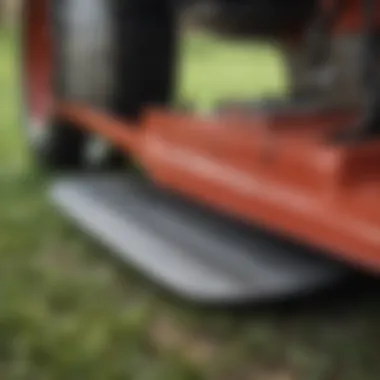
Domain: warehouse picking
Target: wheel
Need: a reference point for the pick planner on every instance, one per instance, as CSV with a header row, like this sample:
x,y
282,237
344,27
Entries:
x,y
108,54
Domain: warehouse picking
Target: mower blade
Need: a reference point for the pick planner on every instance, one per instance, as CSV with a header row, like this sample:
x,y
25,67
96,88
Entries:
x,y
193,252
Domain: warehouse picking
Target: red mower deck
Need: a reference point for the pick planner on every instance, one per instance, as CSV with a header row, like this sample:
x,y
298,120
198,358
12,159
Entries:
x,y
279,171
276,170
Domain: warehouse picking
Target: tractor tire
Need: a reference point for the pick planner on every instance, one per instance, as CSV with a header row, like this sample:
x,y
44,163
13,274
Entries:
x,y
95,59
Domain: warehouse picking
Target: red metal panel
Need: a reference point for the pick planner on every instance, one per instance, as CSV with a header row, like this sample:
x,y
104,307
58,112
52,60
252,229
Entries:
x,y
351,20
279,171
37,58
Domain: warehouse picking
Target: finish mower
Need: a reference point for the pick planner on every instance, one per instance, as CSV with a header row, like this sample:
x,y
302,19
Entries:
x,y
256,200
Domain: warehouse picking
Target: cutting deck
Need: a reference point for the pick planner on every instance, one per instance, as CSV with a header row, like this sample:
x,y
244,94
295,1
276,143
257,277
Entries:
x,y
309,174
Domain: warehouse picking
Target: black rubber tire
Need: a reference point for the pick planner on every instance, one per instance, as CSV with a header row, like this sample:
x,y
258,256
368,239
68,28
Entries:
x,y
109,54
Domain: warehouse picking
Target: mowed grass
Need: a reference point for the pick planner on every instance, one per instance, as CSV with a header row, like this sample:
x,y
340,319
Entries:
x,y
213,71
68,313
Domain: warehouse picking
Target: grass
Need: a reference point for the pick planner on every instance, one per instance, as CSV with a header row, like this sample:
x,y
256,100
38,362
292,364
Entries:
x,y
211,72
67,313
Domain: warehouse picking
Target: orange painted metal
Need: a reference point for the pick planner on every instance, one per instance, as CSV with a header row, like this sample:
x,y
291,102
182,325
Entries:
x,y
37,63
122,134
351,19
279,171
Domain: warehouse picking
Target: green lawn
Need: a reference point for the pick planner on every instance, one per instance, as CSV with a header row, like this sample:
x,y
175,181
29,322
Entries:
x,y
66,313
211,71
